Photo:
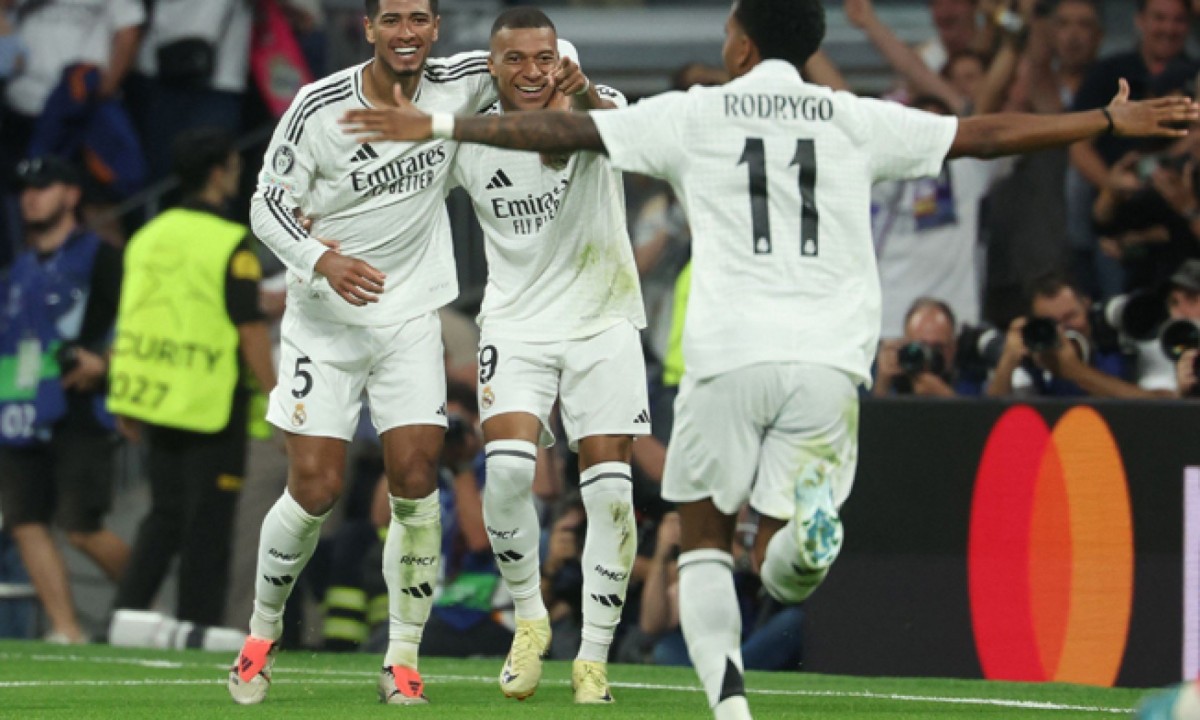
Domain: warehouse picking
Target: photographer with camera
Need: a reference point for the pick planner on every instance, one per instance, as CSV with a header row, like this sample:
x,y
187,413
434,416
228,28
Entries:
x,y
1147,211
923,362
1180,338
56,441
1052,353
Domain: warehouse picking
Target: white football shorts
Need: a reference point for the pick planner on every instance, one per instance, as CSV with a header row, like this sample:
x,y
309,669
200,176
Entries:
x,y
758,432
326,367
600,382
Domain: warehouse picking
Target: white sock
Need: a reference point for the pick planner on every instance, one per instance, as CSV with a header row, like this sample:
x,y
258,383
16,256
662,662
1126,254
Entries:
x,y
411,555
608,552
512,522
289,536
712,626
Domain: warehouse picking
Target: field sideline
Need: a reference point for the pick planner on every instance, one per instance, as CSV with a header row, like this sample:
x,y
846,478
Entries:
x,y
47,681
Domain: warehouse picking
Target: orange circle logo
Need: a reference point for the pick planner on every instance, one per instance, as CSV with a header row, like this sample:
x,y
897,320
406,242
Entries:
x,y
1050,554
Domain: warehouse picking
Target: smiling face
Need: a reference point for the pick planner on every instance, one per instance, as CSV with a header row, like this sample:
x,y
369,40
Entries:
x,y
522,61
1163,25
403,34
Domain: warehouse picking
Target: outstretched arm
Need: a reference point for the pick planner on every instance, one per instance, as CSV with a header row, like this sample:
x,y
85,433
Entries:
x,y
542,130
1012,133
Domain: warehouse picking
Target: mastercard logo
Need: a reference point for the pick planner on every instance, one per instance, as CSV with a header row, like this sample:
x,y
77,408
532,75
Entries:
x,y
1050,553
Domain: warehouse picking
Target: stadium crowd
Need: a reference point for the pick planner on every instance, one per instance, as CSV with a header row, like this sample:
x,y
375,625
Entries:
x,y
1060,273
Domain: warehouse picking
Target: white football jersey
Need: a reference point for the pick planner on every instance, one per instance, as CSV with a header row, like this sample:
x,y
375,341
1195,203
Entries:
x,y
775,175
384,202
560,263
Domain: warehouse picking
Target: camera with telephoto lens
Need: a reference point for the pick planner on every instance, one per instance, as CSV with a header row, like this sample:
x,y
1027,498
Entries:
x,y
979,348
1040,335
1136,316
1179,336
917,357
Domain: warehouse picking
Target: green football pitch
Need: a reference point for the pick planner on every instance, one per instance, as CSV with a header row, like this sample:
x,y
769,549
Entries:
x,y
47,681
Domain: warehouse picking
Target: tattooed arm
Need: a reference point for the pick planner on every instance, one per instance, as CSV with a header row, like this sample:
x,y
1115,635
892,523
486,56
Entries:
x,y
542,130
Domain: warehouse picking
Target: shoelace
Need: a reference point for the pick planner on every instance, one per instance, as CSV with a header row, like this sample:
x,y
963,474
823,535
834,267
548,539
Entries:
x,y
525,649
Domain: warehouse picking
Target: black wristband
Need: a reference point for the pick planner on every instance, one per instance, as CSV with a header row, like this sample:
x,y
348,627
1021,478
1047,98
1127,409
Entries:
x,y
1112,128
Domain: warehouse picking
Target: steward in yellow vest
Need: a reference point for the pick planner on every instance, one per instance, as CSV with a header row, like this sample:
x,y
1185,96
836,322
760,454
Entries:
x,y
175,355
189,317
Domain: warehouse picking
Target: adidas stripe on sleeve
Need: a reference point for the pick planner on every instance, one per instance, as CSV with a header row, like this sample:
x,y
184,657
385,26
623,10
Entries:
x,y
286,177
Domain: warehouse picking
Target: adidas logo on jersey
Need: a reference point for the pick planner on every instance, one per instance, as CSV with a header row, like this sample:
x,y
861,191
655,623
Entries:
x,y
365,152
643,417
499,180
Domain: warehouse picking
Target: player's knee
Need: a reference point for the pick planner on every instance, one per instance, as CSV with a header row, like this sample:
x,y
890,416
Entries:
x,y
413,475
608,498
314,484
510,473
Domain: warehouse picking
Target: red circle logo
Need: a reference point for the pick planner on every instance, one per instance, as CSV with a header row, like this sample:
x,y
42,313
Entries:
x,y
1050,554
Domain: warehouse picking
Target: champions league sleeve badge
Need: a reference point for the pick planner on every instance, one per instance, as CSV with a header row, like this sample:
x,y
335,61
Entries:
x,y
284,160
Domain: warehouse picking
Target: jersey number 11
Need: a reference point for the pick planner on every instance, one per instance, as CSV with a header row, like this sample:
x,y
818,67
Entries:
x,y
754,157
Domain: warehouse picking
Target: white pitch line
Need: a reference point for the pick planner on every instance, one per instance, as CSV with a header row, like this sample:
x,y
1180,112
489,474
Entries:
x,y
321,677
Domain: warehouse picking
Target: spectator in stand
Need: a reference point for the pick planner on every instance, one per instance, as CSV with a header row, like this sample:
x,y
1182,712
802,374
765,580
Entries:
x,y
1163,29
1064,361
1026,219
1183,303
966,81
57,35
191,282
957,30
56,441
926,235
923,362
1146,213
191,72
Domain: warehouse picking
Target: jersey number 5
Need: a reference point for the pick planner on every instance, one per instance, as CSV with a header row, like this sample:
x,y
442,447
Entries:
x,y
754,157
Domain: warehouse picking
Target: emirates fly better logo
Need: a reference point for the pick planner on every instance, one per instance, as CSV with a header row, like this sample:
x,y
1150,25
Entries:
x,y
1051,550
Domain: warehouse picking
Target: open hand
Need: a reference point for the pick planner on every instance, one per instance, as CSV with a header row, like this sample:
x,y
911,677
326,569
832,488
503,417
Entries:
x,y
1159,117
403,123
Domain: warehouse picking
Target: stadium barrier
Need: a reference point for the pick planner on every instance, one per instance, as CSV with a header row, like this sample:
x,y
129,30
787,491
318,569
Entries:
x,y
1041,542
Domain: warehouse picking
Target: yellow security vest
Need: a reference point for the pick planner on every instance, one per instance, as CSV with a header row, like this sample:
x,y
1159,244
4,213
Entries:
x,y
673,362
175,355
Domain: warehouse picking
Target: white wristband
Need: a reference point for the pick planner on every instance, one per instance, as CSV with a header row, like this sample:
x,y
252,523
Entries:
x,y
442,126
587,85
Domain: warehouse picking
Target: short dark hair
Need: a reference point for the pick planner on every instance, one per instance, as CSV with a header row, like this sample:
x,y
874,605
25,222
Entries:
x,y
372,8
1049,284
196,153
522,17
790,30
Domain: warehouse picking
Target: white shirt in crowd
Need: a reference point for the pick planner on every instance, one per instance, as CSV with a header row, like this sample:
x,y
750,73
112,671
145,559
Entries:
x,y
62,33
560,263
775,175
385,203
225,23
927,239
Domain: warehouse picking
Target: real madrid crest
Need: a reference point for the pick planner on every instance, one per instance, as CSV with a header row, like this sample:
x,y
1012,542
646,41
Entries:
x,y
488,397
284,160
299,416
